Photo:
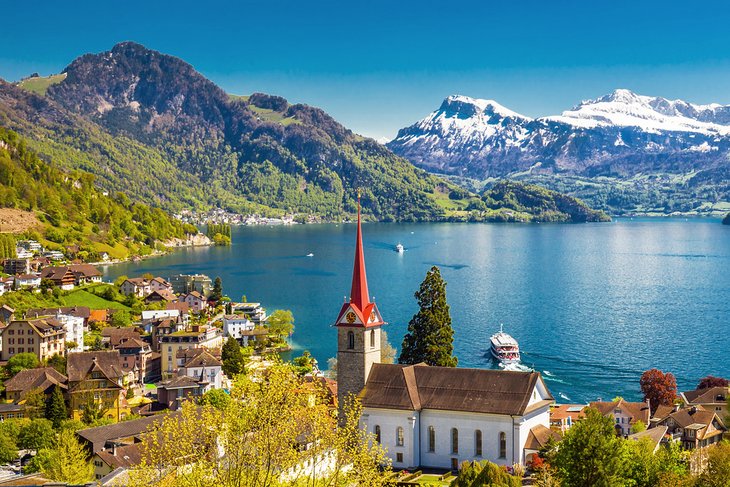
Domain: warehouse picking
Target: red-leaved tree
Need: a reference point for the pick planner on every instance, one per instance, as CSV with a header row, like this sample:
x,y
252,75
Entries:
x,y
659,388
711,381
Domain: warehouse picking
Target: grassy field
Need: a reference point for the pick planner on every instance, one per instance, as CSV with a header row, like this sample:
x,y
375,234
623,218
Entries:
x,y
82,297
39,85
272,116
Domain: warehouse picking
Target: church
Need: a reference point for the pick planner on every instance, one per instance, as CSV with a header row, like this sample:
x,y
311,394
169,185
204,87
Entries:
x,y
429,416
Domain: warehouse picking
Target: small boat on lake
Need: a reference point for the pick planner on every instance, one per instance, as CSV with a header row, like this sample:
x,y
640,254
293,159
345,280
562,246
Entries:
x,y
310,255
399,248
504,348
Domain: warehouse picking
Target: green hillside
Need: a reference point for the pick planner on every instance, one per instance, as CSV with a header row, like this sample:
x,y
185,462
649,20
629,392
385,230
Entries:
x,y
72,211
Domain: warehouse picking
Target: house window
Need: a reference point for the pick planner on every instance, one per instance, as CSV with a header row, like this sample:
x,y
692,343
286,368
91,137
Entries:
x,y
372,338
399,436
377,433
399,457
478,442
503,445
454,440
350,340
431,439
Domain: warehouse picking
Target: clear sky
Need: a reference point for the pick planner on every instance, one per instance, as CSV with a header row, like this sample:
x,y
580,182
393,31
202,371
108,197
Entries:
x,y
379,65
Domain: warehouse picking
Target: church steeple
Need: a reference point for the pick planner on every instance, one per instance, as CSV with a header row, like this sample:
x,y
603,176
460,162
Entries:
x,y
360,311
358,330
359,292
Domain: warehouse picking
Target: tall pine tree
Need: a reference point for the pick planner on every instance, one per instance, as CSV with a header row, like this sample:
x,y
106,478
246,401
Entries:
x,y
430,337
56,408
232,358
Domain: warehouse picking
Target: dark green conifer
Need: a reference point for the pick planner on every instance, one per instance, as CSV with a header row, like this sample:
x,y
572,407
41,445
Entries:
x,y
56,408
430,337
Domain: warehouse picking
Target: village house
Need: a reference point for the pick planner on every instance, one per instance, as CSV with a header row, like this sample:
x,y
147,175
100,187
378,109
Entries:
x,y
202,365
694,427
136,286
62,277
85,274
171,393
163,295
6,284
7,313
44,379
16,266
197,336
187,283
43,337
103,438
11,411
712,399
112,337
198,371
26,281
196,301
82,312
160,284
564,416
242,329
95,379
253,311
656,435
625,414
73,320
124,456
139,359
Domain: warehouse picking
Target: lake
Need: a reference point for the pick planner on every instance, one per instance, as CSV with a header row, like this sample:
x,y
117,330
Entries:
x,y
592,305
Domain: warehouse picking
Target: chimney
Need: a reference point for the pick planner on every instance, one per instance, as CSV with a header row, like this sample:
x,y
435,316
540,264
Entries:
x,y
692,410
676,408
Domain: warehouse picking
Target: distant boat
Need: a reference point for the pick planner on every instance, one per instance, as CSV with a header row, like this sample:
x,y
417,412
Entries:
x,y
504,348
399,248
310,255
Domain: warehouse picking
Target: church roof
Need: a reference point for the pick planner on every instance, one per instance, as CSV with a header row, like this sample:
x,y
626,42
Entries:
x,y
417,387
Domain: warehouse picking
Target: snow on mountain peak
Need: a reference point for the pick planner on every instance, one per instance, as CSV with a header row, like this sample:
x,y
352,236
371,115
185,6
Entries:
x,y
625,108
465,104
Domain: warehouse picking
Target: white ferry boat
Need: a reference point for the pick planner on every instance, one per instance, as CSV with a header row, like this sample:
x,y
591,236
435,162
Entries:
x,y
504,348
399,248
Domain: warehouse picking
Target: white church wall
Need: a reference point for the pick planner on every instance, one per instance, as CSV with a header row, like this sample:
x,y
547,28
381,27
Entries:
x,y
389,420
491,425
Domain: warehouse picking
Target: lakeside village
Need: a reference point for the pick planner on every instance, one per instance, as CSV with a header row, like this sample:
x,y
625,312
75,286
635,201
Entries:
x,y
165,381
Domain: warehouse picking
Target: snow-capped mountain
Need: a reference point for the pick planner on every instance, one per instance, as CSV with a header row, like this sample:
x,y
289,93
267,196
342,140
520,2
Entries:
x,y
620,134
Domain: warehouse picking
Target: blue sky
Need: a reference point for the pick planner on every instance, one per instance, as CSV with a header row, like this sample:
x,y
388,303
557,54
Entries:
x,y
378,65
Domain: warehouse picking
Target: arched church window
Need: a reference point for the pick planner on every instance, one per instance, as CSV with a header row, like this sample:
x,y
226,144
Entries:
x,y
503,445
377,433
399,436
372,338
350,340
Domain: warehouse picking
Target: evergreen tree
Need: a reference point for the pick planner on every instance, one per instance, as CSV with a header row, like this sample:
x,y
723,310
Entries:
x,y
430,337
217,293
232,358
56,408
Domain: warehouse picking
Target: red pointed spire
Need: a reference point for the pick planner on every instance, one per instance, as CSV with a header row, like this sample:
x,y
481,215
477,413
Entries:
x,y
359,292
360,311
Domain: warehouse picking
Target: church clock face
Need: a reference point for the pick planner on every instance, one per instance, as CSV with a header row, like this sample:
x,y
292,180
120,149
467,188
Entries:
x,y
350,317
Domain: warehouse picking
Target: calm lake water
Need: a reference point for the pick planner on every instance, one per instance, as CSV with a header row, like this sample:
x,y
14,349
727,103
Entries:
x,y
592,305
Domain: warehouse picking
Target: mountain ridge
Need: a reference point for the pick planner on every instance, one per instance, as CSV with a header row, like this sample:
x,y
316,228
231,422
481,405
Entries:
x,y
622,137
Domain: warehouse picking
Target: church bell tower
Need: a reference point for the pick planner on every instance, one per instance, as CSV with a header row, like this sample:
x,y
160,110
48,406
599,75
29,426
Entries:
x,y
358,330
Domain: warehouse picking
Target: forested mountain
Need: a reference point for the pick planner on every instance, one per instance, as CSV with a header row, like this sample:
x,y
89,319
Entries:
x,y
149,124
71,210
620,152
